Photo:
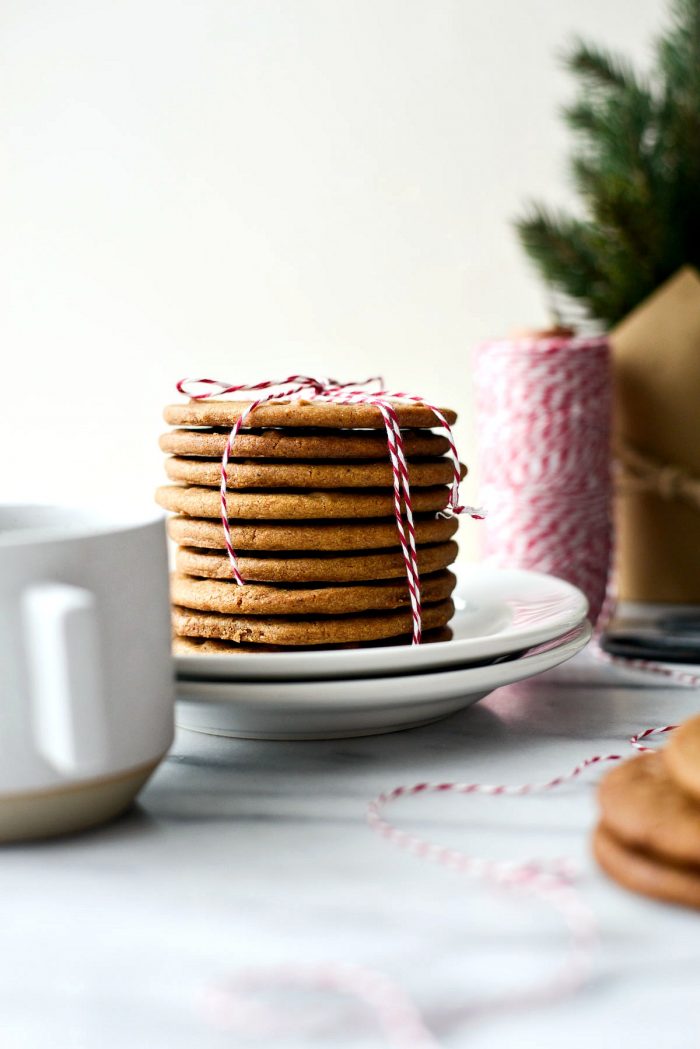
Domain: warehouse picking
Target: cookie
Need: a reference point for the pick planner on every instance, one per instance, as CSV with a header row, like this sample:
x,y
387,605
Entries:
x,y
287,505
207,646
682,756
645,873
294,535
291,474
210,595
300,413
300,444
644,808
305,630
346,568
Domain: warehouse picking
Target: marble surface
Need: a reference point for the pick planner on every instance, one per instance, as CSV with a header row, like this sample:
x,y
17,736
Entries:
x,y
245,854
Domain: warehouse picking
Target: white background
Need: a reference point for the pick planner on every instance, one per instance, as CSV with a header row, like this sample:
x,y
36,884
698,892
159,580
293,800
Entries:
x,y
241,188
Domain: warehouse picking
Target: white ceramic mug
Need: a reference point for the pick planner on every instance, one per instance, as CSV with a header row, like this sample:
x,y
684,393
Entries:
x,y
86,678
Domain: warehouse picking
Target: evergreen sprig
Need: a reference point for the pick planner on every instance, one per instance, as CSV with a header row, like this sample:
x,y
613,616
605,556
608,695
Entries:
x,y
636,167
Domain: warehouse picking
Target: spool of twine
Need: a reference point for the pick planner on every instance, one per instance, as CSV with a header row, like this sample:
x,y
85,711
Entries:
x,y
543,408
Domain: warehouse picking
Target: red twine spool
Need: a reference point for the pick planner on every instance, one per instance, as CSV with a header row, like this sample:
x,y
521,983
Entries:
x,y
543,409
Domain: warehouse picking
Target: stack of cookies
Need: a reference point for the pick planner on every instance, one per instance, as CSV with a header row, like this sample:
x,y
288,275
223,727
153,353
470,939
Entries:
x,y
310,504
649,835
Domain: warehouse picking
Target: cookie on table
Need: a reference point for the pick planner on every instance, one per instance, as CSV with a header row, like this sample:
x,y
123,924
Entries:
x,y
682,755
642,805
305,630
293,568
207,646
300,444
645,873
276,536
259,473
214,595
301,413
295,505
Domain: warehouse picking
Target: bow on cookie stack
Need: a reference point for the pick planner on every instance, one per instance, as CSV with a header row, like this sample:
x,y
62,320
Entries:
x,y
310,504
649,835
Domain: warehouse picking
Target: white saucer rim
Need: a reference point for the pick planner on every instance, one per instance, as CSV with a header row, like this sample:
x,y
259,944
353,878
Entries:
x,y
526,667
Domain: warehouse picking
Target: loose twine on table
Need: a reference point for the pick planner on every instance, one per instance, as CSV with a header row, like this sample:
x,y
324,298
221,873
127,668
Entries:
x,y
231,1003
550,882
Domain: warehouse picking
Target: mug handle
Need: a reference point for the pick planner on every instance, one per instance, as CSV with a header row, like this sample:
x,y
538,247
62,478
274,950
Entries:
x,y
62,643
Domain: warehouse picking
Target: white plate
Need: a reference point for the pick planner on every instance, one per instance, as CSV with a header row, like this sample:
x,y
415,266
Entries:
x,y
359,707
498,611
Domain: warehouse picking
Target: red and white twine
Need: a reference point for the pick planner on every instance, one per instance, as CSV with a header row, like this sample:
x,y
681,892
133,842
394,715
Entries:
x,y
543,409
328,391
544,429
234,1003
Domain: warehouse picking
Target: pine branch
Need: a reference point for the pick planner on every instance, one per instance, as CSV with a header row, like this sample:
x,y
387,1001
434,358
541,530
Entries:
x,y
615,173
636,166
679,73
561,248
598,67
610,120
623,207
679,49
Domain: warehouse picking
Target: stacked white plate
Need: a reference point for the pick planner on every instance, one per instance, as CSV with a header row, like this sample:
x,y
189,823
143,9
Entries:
x,y
510,625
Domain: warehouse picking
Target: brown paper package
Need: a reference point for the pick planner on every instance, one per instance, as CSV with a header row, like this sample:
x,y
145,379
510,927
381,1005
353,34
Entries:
x,y
656,363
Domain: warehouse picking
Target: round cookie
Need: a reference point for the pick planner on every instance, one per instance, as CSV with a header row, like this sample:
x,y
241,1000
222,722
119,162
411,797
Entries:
x,y
682,757
305,505
213,595
645,873
288,444
318,569
289,474
305,630
644,808
301,413
297,535
208,646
